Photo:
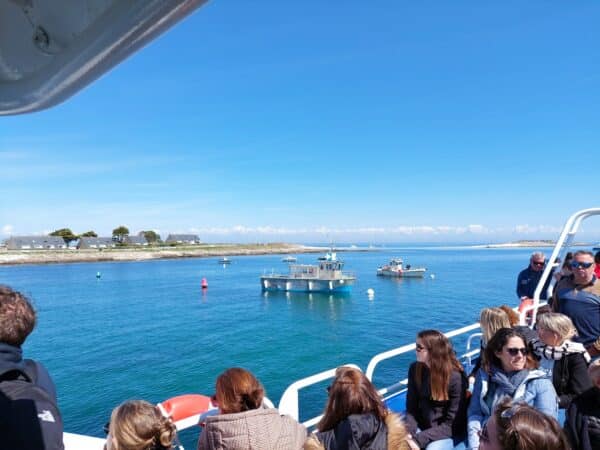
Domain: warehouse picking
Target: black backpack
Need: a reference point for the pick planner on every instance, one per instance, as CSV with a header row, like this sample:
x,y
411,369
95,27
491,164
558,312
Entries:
x,y
29,416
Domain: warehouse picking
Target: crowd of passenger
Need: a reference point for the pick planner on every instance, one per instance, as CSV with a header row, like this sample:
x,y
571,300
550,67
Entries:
x,y
525,380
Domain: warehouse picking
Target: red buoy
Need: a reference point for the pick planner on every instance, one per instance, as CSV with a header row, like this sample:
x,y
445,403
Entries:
x,y
204,283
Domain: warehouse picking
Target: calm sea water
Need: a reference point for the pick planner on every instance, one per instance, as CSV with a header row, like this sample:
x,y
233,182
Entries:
x,y
146,330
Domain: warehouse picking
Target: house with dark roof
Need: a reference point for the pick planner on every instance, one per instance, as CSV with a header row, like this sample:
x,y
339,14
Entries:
x,y
96,242
139,240
183,239
35,243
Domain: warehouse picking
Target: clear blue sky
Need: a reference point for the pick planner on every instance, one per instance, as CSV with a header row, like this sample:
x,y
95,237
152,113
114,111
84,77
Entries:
x,y
306,121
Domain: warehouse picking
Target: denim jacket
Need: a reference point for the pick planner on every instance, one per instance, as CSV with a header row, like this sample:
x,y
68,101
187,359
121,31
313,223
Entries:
x,y
536,390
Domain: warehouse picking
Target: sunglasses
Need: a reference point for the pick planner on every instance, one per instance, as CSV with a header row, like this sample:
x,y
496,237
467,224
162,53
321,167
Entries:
x,y
579,265
420,347
515,351
539,263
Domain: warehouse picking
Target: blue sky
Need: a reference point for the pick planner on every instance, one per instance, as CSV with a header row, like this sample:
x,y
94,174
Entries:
x,y
309,121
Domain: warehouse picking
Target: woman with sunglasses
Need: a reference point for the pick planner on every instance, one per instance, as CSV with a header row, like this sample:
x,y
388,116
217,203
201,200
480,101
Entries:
x,y
356,418
521,427
508,370
243,422
139,425
436,402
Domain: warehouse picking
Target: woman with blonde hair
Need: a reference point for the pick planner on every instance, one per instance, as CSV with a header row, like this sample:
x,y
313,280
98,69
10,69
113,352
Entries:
x,y
565,361
436,401
243,422
139,425
356,418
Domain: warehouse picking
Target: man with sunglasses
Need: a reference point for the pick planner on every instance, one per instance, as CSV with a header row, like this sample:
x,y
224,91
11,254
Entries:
x,y
578,296
529,278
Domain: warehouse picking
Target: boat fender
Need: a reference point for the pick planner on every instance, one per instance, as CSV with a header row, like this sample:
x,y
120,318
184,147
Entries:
x,y
184,406
204,283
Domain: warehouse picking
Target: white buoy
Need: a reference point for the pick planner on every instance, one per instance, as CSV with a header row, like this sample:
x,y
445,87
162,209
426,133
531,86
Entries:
x,y
370,292
432,276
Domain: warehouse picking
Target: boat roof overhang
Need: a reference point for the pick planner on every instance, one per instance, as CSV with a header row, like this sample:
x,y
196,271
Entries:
x,y
51,49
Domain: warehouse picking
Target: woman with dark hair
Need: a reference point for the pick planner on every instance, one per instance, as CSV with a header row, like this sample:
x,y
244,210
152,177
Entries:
x,y
356,418
139,425
243,423
508,370
436,402
519,426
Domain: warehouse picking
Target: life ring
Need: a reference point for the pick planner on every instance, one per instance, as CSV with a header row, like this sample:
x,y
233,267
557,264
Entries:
x,y
185,406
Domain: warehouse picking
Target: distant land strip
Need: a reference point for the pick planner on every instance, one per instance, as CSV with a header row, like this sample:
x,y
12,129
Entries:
x,y
531,244
14,257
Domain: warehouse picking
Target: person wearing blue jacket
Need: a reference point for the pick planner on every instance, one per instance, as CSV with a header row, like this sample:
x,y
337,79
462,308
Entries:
x,y
508,370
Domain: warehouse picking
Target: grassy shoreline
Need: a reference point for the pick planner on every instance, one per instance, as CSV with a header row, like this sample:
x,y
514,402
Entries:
x,y
18,257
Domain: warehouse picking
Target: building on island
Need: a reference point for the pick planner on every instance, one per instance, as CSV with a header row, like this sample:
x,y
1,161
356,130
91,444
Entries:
x,y
96,242
35,243
183,239
138,241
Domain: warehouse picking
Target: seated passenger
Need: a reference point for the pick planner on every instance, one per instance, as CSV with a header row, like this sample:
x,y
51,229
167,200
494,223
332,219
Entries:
x,y
508,370
583,416
490,321
243,423
356,418
519,426
566,361
139,425
436,402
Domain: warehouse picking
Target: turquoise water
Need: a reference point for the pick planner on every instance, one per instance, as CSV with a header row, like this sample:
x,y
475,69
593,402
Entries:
x,y
146,329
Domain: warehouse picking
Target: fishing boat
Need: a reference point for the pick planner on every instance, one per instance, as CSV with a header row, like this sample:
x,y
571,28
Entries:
x,y
326,276
224,260
396,268
289,259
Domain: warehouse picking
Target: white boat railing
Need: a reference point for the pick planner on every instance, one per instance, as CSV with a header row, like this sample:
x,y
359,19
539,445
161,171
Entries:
x,y
564,242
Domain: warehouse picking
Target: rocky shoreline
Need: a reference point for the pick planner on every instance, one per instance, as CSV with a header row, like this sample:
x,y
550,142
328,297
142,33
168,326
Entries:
x,y
16,257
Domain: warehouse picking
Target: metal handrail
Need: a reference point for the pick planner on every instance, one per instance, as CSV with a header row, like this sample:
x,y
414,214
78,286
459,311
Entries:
x,y
410,347
564,241
289,400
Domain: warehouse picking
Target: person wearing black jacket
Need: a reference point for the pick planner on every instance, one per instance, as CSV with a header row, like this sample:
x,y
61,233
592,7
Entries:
x,y
29,416
436,402
583,416
564,360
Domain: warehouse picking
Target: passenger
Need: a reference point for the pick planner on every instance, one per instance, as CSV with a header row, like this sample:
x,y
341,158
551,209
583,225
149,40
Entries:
x,y
436,402
490,321
565,269
29,407
518,426
578,296
528,278
514,319
356,418
508,370
244,422
583,416
566,361
139,425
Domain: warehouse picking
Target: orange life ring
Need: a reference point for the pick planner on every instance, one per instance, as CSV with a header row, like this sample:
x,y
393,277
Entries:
x,y
184,406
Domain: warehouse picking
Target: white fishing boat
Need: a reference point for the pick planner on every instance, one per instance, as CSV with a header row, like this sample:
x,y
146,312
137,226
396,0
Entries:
x,y
224,260
289,259
326,276
396,268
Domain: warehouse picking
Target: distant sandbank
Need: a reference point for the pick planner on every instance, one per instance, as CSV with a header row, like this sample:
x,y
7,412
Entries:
x,y
529,244
14,257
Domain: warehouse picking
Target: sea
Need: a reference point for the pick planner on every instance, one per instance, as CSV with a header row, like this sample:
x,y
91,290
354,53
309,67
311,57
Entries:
x,y
146,330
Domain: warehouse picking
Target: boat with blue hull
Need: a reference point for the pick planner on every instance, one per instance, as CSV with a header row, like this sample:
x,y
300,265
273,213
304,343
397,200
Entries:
x,y
327,276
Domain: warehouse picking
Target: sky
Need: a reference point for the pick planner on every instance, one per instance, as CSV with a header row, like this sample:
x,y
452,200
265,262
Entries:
x,y
382,121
